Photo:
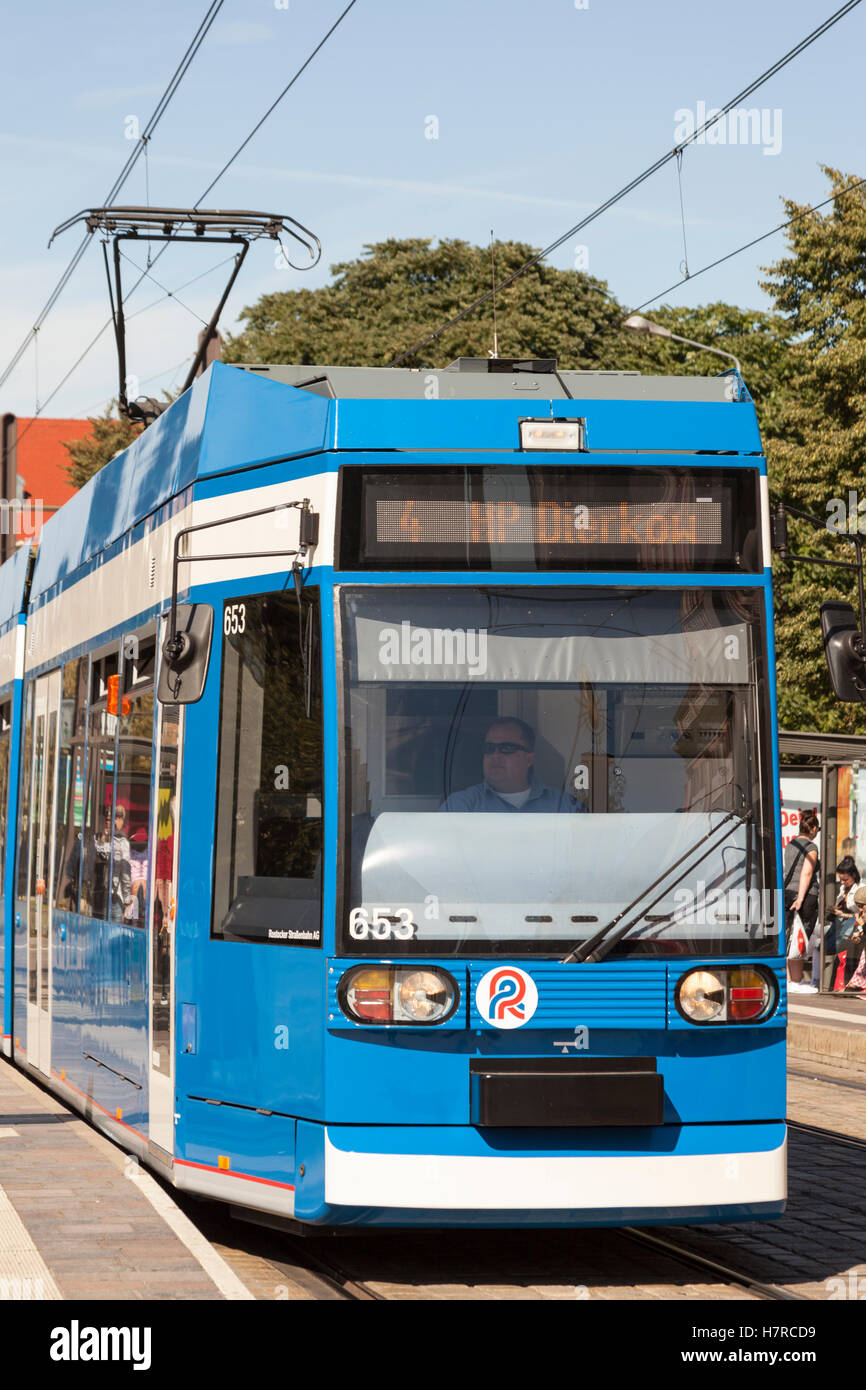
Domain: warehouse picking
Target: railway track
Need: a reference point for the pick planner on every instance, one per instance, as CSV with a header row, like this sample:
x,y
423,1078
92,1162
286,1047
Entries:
x,y
818,1132
372,1268
329,1272
827,1080
336,1279
773,1292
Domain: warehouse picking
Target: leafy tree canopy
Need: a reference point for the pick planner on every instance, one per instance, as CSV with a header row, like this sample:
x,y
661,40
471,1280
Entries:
x,y
804,363
398,292
108,436
815,434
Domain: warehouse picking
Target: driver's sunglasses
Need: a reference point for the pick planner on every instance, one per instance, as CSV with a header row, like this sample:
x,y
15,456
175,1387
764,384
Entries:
x,y
507,748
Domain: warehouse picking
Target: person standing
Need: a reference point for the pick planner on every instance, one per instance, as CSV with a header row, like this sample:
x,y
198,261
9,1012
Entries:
x,y
801,884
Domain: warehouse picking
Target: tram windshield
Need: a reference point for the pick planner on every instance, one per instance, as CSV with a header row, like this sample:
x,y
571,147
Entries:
x,y
521,764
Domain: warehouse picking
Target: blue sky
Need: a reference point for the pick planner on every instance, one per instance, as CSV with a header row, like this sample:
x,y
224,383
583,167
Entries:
x,y
543,109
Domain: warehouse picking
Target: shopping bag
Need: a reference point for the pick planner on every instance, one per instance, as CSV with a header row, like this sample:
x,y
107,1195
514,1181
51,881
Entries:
x,y
798,946
839,982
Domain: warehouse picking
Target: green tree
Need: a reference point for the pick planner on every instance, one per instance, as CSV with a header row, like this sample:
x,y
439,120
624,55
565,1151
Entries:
x,y
400,291
816,437
108,436
760,341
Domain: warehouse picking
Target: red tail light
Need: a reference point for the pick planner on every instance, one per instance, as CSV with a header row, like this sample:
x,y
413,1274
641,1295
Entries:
x,y
747,1002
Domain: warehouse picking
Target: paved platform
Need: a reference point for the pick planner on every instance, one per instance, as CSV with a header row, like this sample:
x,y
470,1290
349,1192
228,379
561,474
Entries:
x,y
828,1030
80,1219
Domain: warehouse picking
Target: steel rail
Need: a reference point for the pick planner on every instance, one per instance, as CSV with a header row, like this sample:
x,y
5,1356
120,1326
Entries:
x,y
774,1292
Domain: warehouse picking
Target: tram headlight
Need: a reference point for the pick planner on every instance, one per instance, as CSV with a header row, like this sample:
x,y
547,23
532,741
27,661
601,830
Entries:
x,y
423,996
701,996
398,994
740,994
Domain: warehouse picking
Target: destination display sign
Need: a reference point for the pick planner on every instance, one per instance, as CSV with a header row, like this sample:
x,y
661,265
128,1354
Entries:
x,y
515,518
419,521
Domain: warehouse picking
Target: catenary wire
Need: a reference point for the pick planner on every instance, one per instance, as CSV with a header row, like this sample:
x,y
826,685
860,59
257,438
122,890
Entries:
x,y
275,104
798,217
168,294
108,322
635,182
196,204
135,153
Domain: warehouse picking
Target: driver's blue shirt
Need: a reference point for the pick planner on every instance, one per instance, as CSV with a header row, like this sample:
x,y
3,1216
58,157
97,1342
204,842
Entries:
x,y
482,797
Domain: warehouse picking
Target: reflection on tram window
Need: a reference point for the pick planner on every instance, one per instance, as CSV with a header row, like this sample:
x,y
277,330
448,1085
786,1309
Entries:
x,y
70,784
164,889
5,732
268,850
26,795
130,856
507,748
99,899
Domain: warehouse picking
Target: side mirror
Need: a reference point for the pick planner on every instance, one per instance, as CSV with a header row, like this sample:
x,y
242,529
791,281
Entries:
x,y
186,656
844,650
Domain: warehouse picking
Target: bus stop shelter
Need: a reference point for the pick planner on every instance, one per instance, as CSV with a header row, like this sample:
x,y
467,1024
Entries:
x,y
826,773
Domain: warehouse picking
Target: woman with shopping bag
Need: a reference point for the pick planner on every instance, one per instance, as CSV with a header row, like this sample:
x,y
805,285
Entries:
x,y
801,884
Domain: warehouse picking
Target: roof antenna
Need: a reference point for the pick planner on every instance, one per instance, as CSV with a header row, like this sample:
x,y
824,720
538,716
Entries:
x,y
495,352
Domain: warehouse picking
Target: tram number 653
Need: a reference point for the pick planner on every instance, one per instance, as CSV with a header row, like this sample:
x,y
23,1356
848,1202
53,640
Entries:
x,y
235,619
381,925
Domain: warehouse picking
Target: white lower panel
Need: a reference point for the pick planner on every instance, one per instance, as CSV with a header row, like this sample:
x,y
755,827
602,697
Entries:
x,y
229,1187
457,1182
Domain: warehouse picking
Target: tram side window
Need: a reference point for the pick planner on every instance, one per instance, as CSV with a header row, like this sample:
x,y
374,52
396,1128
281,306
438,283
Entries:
x,y
26,792
70,784
5,732
98,899
268,849
132,790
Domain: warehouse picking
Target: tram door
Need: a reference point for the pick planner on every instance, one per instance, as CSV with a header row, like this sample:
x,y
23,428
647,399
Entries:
x,y
46,718
164,837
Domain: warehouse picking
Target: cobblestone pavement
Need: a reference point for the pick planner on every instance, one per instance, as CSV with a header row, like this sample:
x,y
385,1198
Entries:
x,y
816,1096
481,1266
816,1250
99,1237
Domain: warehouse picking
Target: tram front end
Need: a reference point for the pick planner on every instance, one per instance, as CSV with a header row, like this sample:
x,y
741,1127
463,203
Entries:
x,y
532,969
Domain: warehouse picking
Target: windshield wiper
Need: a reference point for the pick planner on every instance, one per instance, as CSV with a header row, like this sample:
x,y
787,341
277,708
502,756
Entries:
x,y
602,943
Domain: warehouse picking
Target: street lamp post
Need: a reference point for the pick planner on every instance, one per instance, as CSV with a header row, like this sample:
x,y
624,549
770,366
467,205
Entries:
x,y
638,324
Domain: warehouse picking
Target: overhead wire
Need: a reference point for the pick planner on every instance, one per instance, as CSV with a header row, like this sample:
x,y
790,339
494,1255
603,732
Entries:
x,y
168,294
108,322
134,155
288,87
636,181
152,262
791,221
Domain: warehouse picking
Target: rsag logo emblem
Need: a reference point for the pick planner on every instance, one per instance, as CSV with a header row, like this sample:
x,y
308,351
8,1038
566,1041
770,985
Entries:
x,y
506,997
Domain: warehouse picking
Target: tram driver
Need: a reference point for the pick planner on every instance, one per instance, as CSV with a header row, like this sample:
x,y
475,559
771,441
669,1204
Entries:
x,y
509,783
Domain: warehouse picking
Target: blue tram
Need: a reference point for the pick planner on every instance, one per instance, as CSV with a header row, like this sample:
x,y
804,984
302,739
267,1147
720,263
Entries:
x,y
390,790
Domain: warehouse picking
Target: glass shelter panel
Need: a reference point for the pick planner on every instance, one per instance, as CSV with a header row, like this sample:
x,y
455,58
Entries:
x,y
522,764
